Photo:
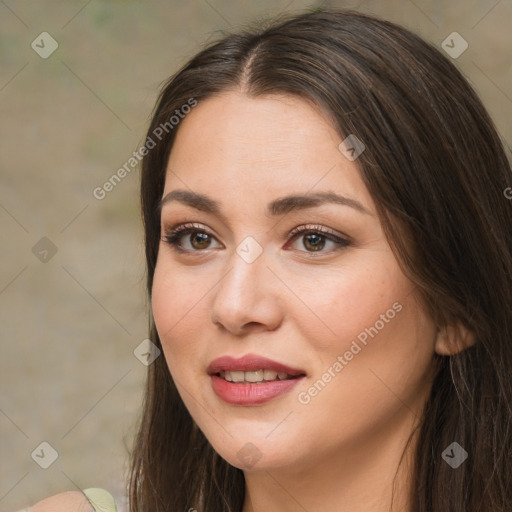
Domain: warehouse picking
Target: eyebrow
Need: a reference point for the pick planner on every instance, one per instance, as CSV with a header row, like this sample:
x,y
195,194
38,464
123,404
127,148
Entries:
x,y
277,207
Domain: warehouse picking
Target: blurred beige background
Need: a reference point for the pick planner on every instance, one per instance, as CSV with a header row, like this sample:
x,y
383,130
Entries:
x,y
72,304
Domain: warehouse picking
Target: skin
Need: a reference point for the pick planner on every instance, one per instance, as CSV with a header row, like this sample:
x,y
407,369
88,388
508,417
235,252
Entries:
x,y
70,501
294,305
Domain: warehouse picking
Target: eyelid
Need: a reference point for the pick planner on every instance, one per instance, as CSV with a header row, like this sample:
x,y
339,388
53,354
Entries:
x,y
299,229
182,226
305,228
179,230
341,240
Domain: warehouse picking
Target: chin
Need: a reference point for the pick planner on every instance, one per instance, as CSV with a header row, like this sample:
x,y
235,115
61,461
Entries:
x,y
256,454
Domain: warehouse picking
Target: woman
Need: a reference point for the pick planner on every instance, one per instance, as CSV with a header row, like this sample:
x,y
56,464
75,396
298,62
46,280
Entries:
x,y
330,271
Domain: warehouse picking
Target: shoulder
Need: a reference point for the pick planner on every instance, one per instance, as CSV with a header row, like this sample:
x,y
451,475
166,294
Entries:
x,y
89,500
70,501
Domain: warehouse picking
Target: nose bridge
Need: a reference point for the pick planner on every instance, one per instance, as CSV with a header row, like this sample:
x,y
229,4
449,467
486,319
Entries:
x,y
246,273
243,295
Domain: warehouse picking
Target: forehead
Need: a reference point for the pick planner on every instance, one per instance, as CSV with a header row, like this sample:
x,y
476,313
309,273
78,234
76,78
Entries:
x,y
236,117
273,144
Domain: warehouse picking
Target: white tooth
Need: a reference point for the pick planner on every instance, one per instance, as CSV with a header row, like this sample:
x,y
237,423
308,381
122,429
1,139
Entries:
x,y
282,375
237,376
254,376
227,376
269,374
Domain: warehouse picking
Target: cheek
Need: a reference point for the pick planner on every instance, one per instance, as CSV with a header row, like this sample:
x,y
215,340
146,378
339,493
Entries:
x,y
376,387
346,303
382,359
369,316
178,312
387,321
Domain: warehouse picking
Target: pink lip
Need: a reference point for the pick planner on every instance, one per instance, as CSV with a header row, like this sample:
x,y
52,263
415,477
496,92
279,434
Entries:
x,y
250,362
250,394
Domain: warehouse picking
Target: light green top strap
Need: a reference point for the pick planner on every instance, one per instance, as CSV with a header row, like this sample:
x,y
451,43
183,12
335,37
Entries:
x,y
101,500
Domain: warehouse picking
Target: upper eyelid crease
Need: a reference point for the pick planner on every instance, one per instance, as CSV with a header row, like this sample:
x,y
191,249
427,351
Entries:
x,y
303,229
277,207
177,232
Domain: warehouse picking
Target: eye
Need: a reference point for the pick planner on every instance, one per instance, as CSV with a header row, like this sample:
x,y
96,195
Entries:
x,y
316,238
198,239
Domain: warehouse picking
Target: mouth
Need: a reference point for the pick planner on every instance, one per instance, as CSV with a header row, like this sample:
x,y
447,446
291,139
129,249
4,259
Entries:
x,y
255,377
251,379
252,368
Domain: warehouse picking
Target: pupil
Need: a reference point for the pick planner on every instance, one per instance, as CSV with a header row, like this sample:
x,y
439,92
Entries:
x,y
317,242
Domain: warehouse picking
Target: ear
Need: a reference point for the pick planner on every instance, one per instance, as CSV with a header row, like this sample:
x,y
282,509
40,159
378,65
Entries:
x,y
453,339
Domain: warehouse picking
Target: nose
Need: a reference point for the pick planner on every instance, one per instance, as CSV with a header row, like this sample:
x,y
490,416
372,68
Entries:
x,y
247,297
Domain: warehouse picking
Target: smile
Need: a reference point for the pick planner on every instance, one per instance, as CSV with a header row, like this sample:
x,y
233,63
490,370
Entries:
x,y
254,376
251,379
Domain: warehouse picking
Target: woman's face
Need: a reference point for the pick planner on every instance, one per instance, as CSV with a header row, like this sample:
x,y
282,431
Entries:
x,y
330,304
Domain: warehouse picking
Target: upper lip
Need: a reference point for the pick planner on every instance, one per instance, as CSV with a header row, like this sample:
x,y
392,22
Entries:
x,y
250,362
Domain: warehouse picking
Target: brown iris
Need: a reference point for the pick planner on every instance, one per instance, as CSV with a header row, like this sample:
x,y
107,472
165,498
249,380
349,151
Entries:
x,y
202,240
314,241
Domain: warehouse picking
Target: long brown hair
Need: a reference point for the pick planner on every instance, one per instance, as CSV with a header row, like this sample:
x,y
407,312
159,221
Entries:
x,y
437,172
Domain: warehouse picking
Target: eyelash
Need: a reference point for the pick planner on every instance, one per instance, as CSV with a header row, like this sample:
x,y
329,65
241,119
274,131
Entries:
x,y
173,236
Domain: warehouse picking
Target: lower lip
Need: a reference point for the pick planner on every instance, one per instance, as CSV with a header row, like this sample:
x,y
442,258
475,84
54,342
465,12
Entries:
x,y
250,394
